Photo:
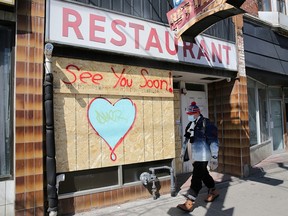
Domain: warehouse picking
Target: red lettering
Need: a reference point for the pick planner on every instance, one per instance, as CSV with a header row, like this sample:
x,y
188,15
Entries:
x,y
157,84
162,82
96,78
171,52
83,76
188,47
123,39
215,53
200,54
227,48
94,28
68,23
73,74
122,80
142,73
137,29
203,51
153,36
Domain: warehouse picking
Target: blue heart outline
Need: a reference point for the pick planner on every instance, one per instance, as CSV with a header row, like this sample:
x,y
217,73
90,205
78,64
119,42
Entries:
x,y
112,122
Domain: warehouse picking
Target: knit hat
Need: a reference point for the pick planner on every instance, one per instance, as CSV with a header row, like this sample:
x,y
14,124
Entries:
x,y
193,108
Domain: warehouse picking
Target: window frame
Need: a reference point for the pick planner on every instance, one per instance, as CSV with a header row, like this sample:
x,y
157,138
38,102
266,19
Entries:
x,y
281,4
262,5
256,114
10,29
122,176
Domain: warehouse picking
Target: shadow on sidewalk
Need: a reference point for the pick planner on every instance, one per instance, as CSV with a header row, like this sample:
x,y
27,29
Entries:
x,y
223,184
257,174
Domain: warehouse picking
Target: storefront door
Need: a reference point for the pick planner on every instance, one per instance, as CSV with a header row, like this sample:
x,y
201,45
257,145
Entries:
x,y
202,102
276,124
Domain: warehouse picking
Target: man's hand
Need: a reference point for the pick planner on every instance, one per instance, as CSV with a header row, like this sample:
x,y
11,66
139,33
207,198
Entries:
x,y
214,162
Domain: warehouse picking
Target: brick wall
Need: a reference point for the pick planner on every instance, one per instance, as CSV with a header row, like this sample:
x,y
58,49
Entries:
x,y
228,101
70,206
178,136
251,7
28,108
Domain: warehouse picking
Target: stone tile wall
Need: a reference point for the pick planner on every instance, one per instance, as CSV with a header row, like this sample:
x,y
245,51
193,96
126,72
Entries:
x,y
29,108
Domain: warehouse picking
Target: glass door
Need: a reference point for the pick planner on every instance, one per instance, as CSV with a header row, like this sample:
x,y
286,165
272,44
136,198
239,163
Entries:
x,y
202,102
276,124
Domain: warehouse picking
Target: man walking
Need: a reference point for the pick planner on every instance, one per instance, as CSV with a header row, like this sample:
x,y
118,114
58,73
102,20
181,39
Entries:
x,y
202,146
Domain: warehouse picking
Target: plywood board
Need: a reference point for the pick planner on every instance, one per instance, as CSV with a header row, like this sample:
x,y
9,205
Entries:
x,y
65,133
88,77
94,130
157,125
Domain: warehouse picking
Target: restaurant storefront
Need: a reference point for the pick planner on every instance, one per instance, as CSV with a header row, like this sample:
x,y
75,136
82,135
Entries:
x,y
120,88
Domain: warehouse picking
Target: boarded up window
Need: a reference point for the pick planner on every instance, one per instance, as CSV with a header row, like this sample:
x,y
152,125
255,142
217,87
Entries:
x,y
110,114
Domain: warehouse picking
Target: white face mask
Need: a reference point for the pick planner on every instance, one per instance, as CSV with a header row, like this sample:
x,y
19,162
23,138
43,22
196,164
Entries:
x,y
191,118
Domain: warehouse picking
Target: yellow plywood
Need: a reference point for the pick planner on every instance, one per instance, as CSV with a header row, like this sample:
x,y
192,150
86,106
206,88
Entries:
x,y
148,129
94,130
151,136
157,120
88,77
81,126
168,128
134,142
95,149
65,132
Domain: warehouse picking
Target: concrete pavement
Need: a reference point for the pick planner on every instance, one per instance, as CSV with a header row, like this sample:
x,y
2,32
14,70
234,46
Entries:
x,y
264,193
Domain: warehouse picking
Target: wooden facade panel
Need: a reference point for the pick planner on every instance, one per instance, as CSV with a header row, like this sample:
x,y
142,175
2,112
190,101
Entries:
x,y
168,131
95,146
86,77
81,126
119,124
157,120
134,142
65,135
148,130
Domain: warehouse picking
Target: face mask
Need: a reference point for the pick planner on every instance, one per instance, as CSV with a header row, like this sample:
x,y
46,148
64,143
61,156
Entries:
x,y
191,118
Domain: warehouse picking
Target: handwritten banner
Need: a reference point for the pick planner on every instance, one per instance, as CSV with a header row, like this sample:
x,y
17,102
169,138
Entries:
x,y
90,77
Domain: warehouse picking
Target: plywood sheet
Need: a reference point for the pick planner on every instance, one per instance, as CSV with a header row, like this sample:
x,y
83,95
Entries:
x,y
107,125
87,77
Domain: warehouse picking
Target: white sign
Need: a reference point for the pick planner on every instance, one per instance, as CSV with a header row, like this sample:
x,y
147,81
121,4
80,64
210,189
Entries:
x,y
10,2
84,26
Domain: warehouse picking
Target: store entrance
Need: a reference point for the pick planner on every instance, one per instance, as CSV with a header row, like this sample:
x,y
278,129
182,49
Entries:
x,y
277,124
200,97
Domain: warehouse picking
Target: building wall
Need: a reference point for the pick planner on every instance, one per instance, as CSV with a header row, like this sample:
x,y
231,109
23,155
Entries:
x,y
265,51
7,187
251,7
109,198
228,106
29,153
178,134
29,108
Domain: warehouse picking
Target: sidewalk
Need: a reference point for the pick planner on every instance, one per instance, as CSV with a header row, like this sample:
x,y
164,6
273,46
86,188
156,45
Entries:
x,y
264,193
